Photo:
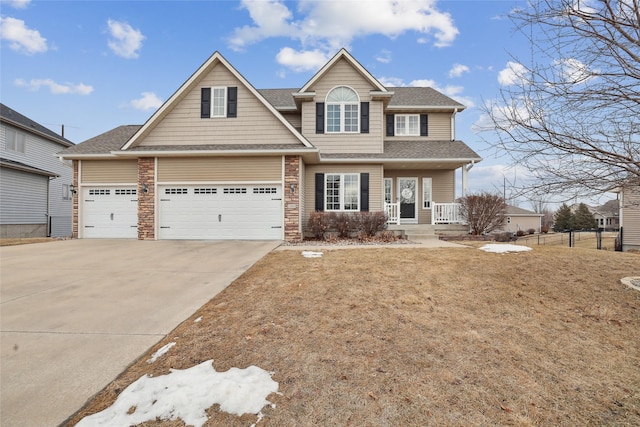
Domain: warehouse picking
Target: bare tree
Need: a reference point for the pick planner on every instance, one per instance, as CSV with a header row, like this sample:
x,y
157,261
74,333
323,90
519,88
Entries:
x,y
572,114
484,212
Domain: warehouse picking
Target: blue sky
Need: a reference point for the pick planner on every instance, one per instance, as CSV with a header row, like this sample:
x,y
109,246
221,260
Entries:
x,y
95,65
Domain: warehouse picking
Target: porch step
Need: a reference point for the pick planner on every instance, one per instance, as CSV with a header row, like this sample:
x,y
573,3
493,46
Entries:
x,y
415,232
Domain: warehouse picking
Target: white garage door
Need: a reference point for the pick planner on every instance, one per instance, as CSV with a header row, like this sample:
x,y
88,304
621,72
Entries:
x,y
220,212
110,212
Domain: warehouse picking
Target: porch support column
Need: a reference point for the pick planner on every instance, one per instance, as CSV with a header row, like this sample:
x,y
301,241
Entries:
x,y
146,198
465,178
291,190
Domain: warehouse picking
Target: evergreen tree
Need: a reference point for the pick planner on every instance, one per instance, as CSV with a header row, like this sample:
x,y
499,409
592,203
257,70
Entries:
x,y
583,219
563,218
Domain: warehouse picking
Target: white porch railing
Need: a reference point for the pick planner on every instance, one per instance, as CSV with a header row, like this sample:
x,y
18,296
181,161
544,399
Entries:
x,y
446,213
392,210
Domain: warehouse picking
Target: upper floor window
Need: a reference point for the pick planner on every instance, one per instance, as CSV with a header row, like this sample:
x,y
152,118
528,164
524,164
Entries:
x,y
15,140
218,102
408,124
343,111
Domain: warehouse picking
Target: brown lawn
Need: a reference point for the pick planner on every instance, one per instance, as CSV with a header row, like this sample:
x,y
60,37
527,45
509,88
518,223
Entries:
x,y
402,337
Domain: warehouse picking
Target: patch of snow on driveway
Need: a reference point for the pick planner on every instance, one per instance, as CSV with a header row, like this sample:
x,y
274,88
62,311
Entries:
x,y
504,248
187,394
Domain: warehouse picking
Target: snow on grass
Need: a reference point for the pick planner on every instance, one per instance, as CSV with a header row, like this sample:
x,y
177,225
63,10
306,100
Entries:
x,y
187,394
160,352
311,254
198,319
504,248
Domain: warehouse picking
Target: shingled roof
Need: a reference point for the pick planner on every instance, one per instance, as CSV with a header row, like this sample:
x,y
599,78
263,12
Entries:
x,y
11,116
106,142
415,150
402,97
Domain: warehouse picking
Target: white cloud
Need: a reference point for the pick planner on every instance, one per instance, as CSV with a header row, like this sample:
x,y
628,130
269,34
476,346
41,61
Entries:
x,y
384,56
303,60
148,101
512,74
126,41
17,4
20,37
326,26
55,88
457,70
573,71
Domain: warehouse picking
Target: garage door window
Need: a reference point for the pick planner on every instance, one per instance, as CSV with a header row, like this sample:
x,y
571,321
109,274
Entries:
x,y
235,191
126,192
102,192
175,191
265,190
205,191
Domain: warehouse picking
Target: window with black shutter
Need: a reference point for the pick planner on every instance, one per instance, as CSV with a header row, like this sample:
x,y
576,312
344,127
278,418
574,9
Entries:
x,y
232,102
205,102
364,117
390,125
424,125
319,117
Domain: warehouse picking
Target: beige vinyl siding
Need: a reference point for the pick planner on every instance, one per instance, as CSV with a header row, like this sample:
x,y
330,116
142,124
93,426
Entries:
x,y
376,200
442,191
294,118
255,123
227,169
439,126
631,218
342,74
109,171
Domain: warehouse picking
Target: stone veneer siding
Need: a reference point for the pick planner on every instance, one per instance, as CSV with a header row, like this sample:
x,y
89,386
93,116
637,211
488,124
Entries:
x,y
292,230
146,206
74,197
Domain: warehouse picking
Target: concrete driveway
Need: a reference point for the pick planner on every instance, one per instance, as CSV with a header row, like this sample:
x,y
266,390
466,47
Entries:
x,y
76,313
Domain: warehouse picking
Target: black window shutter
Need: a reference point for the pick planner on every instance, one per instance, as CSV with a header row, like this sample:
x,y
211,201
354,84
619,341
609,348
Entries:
x,y
205,103
364,117
319,117
424,128
319,192
232,102
390,125
364,192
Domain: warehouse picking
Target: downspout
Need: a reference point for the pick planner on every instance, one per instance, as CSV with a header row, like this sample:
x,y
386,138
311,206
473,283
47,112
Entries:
x,y
465,179
453,124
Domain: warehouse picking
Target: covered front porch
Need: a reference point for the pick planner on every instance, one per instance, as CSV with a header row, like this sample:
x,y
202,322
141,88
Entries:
x,y
441,213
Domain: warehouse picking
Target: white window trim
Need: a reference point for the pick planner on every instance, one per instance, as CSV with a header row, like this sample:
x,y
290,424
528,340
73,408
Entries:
x,y
16,141
405,130
342,111
384,189
224,102
427,198
341,194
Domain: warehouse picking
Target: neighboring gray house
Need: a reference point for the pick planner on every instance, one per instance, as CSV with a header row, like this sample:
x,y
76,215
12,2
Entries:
x,y
35,186
629,237
521,219
608,215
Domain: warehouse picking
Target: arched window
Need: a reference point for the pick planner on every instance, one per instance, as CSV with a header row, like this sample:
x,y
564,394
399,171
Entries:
x,y
343,113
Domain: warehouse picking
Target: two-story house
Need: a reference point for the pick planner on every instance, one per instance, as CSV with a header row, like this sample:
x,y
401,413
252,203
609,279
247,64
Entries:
x,y
35,186
223,160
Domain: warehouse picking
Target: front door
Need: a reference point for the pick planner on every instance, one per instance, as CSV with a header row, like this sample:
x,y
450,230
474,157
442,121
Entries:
x,y
407,192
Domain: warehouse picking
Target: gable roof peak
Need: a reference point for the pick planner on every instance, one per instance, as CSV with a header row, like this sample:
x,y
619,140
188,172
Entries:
x,y
344,54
